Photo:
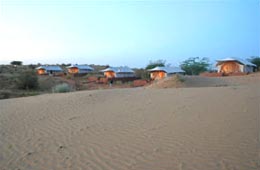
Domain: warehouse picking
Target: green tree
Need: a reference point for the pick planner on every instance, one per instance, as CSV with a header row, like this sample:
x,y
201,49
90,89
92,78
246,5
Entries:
x,y
153,64
255,60
16,63
195,65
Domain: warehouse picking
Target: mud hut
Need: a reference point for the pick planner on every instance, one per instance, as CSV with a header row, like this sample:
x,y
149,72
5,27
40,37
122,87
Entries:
x,y
79,69
118,72
162,72
234,65
44,70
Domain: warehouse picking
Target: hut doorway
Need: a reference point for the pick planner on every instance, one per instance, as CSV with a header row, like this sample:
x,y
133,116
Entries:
x,y
158,75
110,74
230,67
73,70
41,71
162,74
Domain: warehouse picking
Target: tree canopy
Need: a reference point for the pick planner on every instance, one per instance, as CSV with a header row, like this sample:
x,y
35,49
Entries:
x,y
195,65
157,63
17,63
255,60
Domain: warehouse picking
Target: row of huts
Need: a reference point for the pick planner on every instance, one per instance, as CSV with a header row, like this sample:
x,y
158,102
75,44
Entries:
x,y
110,72
54,69
227,66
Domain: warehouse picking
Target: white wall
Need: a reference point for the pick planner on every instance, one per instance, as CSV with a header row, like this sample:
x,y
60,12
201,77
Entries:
x,y
219,67
241,68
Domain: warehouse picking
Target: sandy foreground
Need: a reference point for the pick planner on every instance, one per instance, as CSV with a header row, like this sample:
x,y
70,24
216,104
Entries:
x,y
210,128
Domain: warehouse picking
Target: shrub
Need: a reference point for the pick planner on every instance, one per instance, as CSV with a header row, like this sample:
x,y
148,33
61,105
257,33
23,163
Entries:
x,y
62,88
143,74
118,82
28,93
180,78
68,76
5,94
27,80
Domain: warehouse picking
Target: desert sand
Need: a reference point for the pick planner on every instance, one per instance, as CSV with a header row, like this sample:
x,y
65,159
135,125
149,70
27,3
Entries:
x,y
195,128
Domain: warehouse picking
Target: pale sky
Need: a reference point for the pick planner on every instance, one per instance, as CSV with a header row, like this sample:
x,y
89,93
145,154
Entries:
x,y
131,33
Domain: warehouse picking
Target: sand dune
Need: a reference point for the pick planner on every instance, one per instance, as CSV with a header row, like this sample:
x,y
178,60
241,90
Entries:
x,y
178,81
213,128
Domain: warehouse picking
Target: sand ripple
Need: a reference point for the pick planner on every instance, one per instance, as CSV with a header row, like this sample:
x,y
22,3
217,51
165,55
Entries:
x,y
212,128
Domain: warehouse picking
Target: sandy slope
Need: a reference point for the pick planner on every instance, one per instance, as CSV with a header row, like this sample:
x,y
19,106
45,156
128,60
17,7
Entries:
x,y
214,128
200,81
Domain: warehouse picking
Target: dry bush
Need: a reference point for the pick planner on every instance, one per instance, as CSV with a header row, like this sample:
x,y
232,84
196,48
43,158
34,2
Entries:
x,y
27,80
46,83
62,88
5,94
143,74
